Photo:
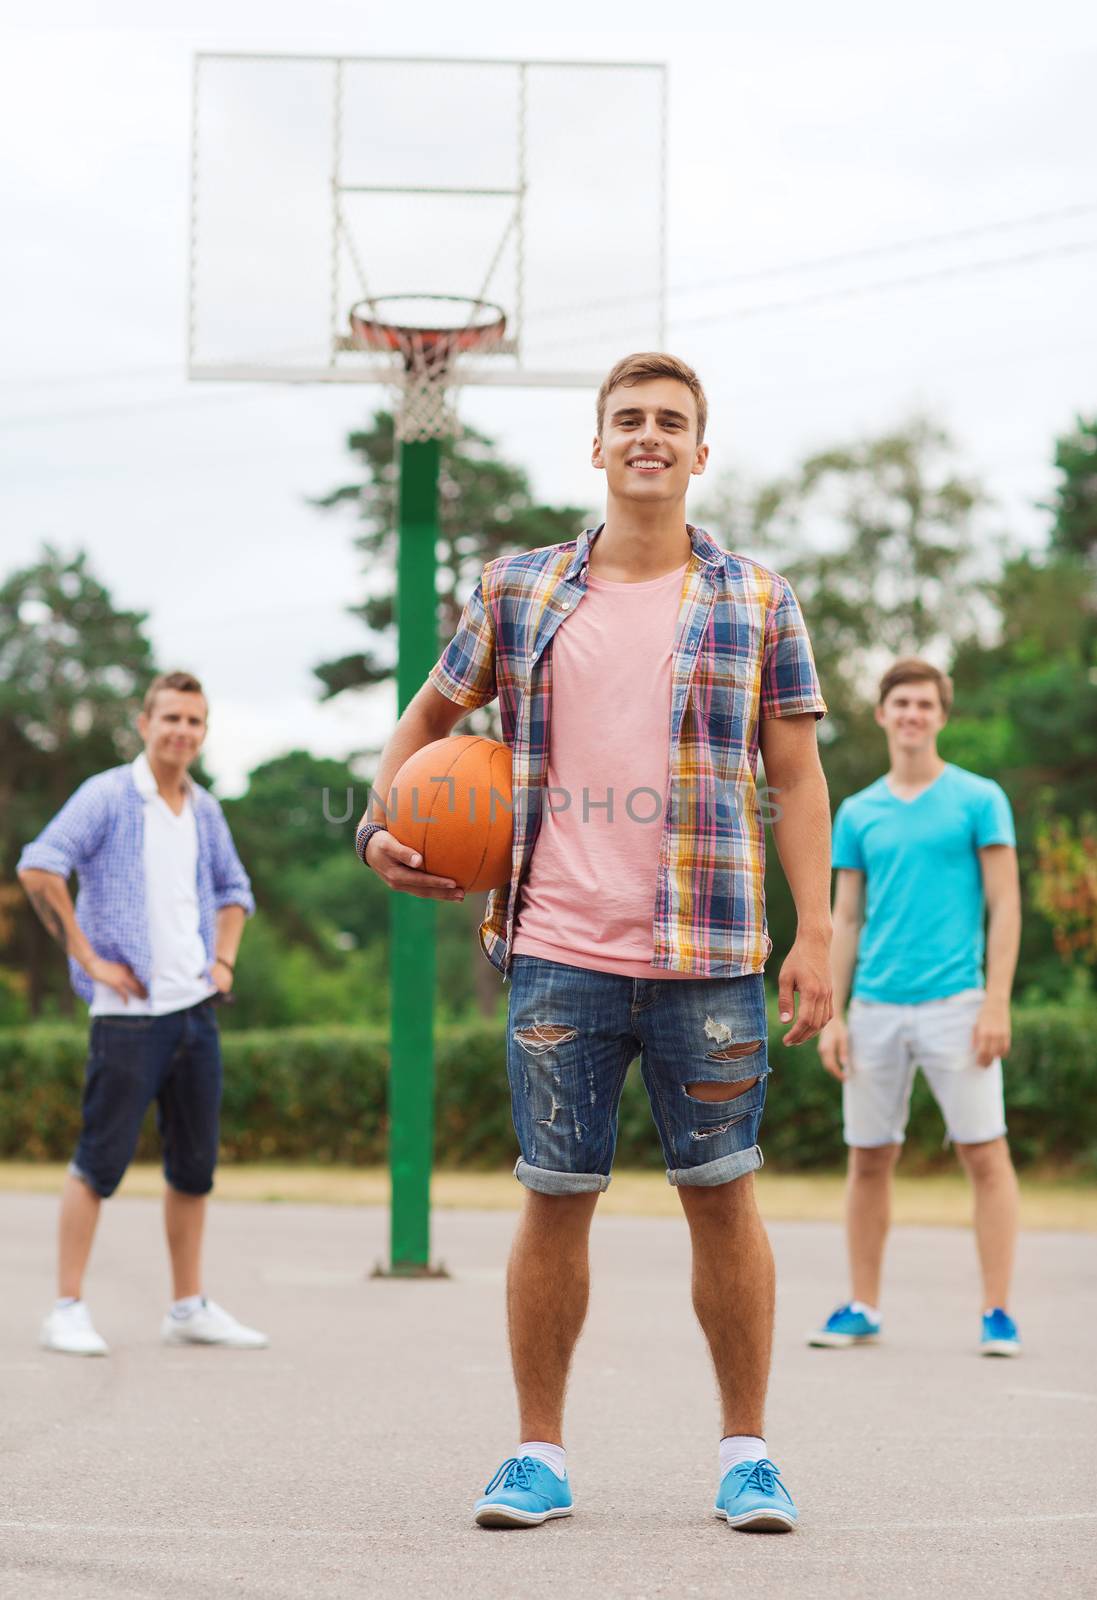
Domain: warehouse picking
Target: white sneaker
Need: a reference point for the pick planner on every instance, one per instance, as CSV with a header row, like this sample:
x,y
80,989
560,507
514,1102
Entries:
x,y
70,1330
211,1324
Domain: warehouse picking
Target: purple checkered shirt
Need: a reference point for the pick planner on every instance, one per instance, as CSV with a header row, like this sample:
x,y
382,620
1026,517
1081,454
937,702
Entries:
x,y
99,833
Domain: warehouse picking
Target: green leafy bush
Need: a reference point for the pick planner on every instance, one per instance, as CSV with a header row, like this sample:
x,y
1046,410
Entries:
x,y
318,1094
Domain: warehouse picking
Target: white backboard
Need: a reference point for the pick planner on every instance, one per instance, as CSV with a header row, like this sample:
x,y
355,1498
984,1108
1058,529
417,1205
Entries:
x,y
321,180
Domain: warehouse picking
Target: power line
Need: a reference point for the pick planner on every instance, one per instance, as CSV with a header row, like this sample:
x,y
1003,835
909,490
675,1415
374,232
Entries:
x,y
163,369
751,390
915,243
883,285
71,380
742,313
187,401
756,275
863,290
900,247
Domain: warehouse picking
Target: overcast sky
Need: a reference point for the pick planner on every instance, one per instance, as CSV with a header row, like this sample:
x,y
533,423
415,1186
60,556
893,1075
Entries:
x,y
795,135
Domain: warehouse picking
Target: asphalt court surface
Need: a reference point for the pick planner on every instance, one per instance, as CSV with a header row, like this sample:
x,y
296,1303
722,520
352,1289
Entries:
x,y
344,1460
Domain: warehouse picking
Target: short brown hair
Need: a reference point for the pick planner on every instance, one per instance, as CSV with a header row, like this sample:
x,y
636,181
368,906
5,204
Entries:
x,y
184,682
653,364
913,670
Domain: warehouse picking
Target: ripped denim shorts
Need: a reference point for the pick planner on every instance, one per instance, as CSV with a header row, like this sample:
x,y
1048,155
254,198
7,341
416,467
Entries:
x,y
571,1034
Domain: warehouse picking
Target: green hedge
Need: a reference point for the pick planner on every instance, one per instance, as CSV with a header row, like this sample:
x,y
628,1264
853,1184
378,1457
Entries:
x,y
319,1094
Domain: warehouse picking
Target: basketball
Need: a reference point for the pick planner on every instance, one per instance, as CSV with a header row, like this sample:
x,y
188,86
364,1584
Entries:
x,y
451,802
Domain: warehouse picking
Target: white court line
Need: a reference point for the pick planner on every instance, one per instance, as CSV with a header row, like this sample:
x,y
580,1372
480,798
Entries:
x,y
607,1372
959,1525
312,1277
110,1530
1055,1394
205,1365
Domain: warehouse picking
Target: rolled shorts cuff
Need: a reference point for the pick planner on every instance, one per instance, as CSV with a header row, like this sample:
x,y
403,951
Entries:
x,y
976,1138
195,1189
723,1170
103,1190
546,1182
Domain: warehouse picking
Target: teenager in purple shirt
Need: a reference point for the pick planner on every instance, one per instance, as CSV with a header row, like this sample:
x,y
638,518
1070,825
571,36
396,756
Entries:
x,y
151,942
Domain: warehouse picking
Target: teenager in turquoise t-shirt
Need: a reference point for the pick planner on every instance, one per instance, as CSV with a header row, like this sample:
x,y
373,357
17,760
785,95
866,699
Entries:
x,y
923,856
924,902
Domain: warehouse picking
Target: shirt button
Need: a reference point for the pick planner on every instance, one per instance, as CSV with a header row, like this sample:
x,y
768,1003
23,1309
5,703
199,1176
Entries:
x,y
565,605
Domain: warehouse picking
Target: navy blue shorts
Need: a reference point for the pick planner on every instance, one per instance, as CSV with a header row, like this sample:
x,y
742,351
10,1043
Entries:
x,y
175,1060
571,1034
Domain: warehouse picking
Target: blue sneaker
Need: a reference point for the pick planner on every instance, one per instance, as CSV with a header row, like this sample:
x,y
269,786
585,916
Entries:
x,y
523,1493
1000,1336
843,1328
752,1497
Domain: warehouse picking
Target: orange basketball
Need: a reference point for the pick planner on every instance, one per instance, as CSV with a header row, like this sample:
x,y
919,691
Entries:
x,y
451,801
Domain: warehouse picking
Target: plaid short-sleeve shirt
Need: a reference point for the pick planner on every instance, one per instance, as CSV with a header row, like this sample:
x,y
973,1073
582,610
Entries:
x,y
741,653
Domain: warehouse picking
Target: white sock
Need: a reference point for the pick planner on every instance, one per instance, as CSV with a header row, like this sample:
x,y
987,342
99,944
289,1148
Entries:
x,y
865,1309
187,1306
66,1302
740,1447
552,1455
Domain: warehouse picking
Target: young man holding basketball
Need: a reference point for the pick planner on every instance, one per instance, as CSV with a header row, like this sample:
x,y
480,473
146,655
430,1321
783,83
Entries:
x,y
921,855
151,944
639,670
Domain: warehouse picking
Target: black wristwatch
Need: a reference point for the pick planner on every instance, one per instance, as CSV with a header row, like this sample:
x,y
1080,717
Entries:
x,y
364,835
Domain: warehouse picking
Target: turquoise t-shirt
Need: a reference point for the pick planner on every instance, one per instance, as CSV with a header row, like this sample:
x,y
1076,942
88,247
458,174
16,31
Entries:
x,y
923,936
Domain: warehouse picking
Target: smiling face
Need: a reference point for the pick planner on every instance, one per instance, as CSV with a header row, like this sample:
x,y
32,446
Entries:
x,y
174,728
648,445
912,716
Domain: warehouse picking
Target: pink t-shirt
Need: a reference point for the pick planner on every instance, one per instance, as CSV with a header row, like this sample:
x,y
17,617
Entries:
x,y
589,897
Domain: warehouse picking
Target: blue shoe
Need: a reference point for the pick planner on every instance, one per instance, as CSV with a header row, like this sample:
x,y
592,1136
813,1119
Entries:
x,y
1000,1336
843,1328
523,1493
752,1497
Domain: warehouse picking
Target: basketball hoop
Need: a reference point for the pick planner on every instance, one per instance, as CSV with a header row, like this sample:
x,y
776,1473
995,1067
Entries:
x,y
426,332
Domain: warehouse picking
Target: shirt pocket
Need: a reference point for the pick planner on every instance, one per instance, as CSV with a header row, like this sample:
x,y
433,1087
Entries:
x,y
727,680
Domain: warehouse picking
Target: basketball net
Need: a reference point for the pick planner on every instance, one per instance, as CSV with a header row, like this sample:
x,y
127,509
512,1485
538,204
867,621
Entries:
x,y
423,378
424,401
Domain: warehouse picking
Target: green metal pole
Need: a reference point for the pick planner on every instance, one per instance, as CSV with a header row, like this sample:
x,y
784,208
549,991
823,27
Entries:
x,y
412,950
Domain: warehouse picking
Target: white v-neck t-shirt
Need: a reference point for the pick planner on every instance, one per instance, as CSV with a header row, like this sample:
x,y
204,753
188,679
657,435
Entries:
x,y
179,960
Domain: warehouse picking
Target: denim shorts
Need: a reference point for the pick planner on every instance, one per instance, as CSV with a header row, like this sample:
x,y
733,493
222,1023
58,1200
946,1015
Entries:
x,y
173,1059
571,1034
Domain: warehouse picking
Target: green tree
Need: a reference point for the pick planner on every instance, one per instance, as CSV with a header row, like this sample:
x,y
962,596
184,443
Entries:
x,y
73,670
1026,704
486,509
318,947
1074,508
1027,701
314,951
888,547
294,829
884,542
1065,888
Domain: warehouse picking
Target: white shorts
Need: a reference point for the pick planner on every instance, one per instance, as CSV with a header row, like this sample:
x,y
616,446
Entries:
x,y
887,1044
